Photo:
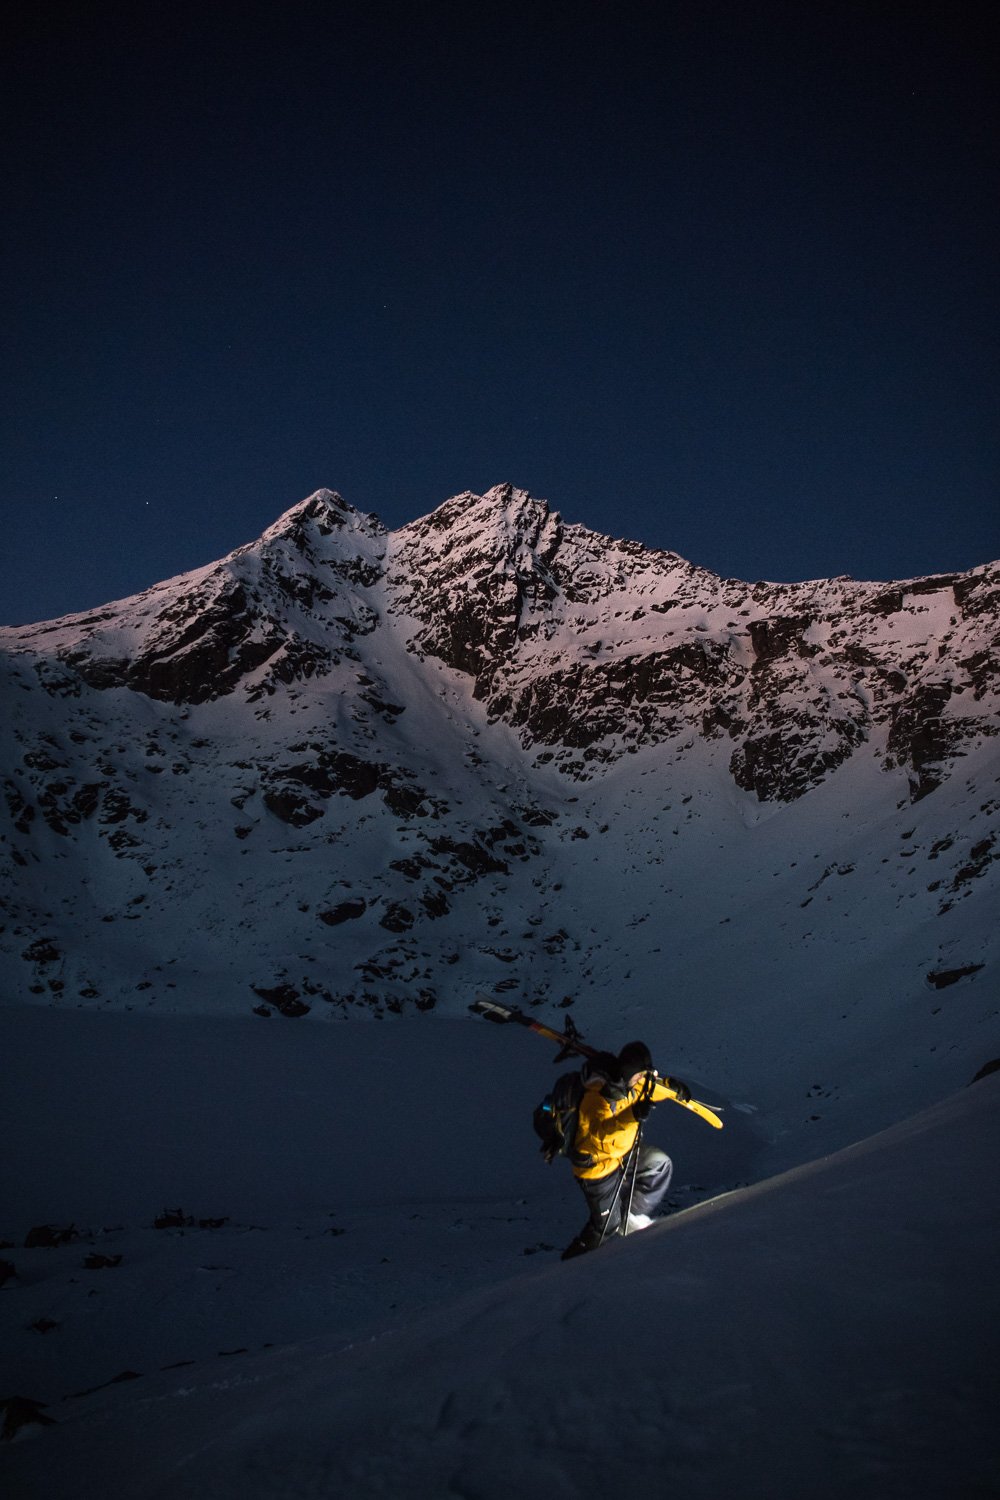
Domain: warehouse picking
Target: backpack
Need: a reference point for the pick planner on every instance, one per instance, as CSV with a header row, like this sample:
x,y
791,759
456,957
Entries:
x,y
555,1119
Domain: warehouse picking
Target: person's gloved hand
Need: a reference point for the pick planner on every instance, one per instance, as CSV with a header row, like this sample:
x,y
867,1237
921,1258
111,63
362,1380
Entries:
x,y
641,1108
681,1090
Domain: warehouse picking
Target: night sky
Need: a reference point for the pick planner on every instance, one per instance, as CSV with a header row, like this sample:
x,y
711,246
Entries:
x,y
718,276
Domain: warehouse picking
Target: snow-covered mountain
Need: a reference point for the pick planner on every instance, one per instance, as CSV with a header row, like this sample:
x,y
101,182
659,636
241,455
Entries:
x,y
350,771
351,774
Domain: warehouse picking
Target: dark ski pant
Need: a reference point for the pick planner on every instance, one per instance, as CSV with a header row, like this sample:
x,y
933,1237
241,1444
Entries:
x,y
608,1205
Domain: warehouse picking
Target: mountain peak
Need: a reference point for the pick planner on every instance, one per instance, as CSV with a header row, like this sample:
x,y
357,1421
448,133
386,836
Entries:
x,y
501,519
323,512
508,494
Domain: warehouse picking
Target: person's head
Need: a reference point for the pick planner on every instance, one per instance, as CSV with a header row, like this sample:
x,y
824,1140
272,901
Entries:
x,y
600,1070
634,1061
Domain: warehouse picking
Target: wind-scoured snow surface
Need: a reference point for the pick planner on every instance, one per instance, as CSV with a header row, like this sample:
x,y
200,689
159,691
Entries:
x,y
346,775
383,1315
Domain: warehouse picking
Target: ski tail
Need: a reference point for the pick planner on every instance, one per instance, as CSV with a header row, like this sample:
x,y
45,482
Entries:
x,y
491,1011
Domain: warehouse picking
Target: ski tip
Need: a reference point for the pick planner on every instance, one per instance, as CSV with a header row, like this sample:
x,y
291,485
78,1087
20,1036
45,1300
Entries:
x,y
702,1110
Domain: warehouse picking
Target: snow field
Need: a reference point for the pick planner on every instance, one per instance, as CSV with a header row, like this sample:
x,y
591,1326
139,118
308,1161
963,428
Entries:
x,y
828,1331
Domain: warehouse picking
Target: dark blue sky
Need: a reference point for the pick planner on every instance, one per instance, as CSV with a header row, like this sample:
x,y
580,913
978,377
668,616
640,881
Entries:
x,y
718,276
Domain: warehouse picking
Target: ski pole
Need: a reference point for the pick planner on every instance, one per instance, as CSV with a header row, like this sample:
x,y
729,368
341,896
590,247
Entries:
x,y
644,1098
618,1190
635,1172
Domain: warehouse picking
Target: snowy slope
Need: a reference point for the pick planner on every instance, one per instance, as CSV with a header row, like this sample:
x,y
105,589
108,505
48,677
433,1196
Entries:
x,y
354,1330
352,775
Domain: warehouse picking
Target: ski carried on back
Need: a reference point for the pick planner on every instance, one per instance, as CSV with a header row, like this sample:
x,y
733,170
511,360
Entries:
x,y
571,1043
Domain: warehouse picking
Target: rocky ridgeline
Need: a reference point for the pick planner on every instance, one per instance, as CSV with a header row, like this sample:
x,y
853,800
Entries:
x,y
269,769
590,647
593,647
283,609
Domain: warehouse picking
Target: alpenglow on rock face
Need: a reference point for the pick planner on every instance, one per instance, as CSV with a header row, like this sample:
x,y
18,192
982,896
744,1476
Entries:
x,y
594,647
354,767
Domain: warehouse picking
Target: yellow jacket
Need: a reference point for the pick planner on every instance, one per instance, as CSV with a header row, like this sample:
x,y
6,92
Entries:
x,y
607,1127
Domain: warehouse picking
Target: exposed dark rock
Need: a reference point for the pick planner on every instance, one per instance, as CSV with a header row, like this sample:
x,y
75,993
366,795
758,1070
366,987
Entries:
x,y
932,585
346,911
291,806
116,807
284,998
121,839
299,660
890,602
86,797
504,955
56,680
370,969
329,772
302,588
42,951
940,979
173,1218
388,711
536,817
718,720
397,918
359,571
22,1411
98,671
41,759
435,904
198,649
21,810
983,668
784,764
405,801
473,857
921,737
979,593
981,856
50,1236
778,636
62,804
586,702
